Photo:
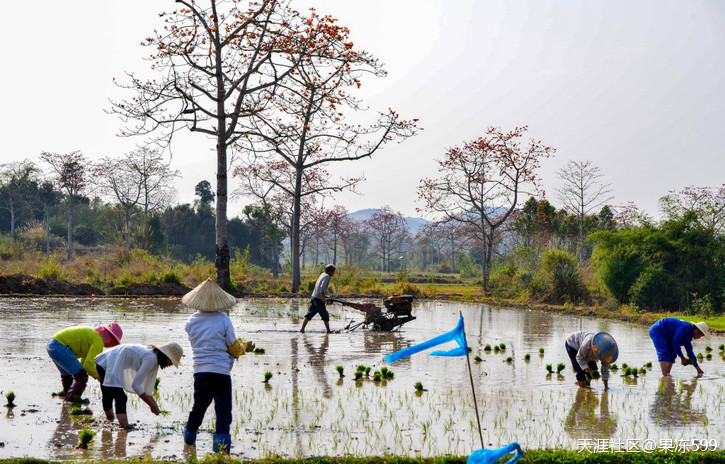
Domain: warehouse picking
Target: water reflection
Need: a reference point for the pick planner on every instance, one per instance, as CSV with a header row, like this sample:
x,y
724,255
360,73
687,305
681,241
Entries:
x,y
113,448
318,359
583,420
66,432
671,407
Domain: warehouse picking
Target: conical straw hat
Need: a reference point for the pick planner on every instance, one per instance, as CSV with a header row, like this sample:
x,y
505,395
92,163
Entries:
x,y
208,296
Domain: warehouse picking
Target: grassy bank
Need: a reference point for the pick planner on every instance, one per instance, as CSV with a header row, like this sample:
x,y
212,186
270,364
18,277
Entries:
x,y
534,456
118,271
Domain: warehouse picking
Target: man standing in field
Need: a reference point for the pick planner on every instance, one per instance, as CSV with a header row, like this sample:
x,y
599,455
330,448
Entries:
x,y
319,298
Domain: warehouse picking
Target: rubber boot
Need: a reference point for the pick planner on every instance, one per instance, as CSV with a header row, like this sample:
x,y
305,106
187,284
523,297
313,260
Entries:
x,y
222,442
66,381
189,437
79,385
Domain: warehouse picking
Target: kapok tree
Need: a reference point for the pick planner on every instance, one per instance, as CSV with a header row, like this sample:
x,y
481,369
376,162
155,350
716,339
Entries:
x,y
217,64
480,184
70,175
389,233
708,203
137,178
310,126
582,192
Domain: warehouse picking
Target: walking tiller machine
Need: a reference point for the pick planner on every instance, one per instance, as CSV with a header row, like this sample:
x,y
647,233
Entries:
x,y
397,312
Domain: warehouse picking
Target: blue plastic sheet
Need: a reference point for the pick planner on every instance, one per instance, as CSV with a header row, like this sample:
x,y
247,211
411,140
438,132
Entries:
x,y
491,456
458,335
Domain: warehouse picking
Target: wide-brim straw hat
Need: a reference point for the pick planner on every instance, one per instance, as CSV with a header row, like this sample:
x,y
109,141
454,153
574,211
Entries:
x,y
703,328
173,351
208,296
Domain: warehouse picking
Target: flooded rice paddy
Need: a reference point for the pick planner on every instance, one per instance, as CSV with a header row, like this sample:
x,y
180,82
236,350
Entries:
x,y
307,409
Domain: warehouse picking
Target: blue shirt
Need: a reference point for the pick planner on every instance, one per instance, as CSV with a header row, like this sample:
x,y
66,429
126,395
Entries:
x,y
210,334
678,333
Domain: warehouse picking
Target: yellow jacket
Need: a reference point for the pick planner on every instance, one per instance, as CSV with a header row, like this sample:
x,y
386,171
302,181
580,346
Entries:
x,y
85,343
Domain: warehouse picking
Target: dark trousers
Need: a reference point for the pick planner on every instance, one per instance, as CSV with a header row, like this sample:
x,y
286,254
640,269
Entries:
x,y
209,386
111,394
580,374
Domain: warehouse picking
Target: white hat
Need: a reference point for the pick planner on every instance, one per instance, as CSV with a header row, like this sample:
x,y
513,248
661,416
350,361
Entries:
x,y
173,351
703,328
208,296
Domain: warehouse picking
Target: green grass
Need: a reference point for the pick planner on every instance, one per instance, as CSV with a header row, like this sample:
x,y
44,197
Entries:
x,y
534,456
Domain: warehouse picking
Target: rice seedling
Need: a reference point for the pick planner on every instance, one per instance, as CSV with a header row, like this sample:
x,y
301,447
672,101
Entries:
x,y
259,350
377,376
361,368
78,411
541,352
560,367
419,386
156,383
340,370
267,376
721,347
470,349
596,375
487,348
88,420
700,356
649,365
367,371
549,369
358,375
477,358
496,349
708,356
509,360
708,348
387,373
613,367
85,436
527,357
642,370
624,366
10,396
502,346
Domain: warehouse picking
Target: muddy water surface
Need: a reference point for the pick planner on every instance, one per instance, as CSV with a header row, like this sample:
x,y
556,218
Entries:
x,y
307,409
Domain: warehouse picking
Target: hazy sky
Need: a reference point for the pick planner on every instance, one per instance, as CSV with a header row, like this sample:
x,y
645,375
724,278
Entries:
x,y
635,86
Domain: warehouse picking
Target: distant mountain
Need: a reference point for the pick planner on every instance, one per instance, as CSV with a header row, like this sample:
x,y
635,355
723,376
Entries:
x,y
414,223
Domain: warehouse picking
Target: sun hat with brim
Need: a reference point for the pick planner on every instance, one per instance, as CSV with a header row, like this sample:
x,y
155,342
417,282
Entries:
x,y
703,328
173,351
605,347
110,333
210,297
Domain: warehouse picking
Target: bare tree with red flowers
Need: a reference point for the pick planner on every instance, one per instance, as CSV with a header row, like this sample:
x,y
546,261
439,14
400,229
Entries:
x,y
480,183
389,233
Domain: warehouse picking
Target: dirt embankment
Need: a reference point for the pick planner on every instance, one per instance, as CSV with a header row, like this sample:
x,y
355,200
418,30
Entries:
x,y
20,284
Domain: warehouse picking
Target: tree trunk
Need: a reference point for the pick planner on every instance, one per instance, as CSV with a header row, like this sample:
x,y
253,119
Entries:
x,y
12,218
127,234
295,236
70,227
47,236
221,262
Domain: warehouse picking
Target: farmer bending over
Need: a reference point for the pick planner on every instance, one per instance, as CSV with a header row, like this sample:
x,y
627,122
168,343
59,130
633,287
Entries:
x,y
585,349
84,343
669,334
133,368
319,298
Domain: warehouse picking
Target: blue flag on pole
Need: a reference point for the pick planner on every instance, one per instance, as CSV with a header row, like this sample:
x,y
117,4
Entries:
x,y
458,335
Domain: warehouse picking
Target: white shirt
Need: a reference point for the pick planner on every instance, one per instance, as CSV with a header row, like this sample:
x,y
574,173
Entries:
x,y
321,285
582,342
210,334
131,367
